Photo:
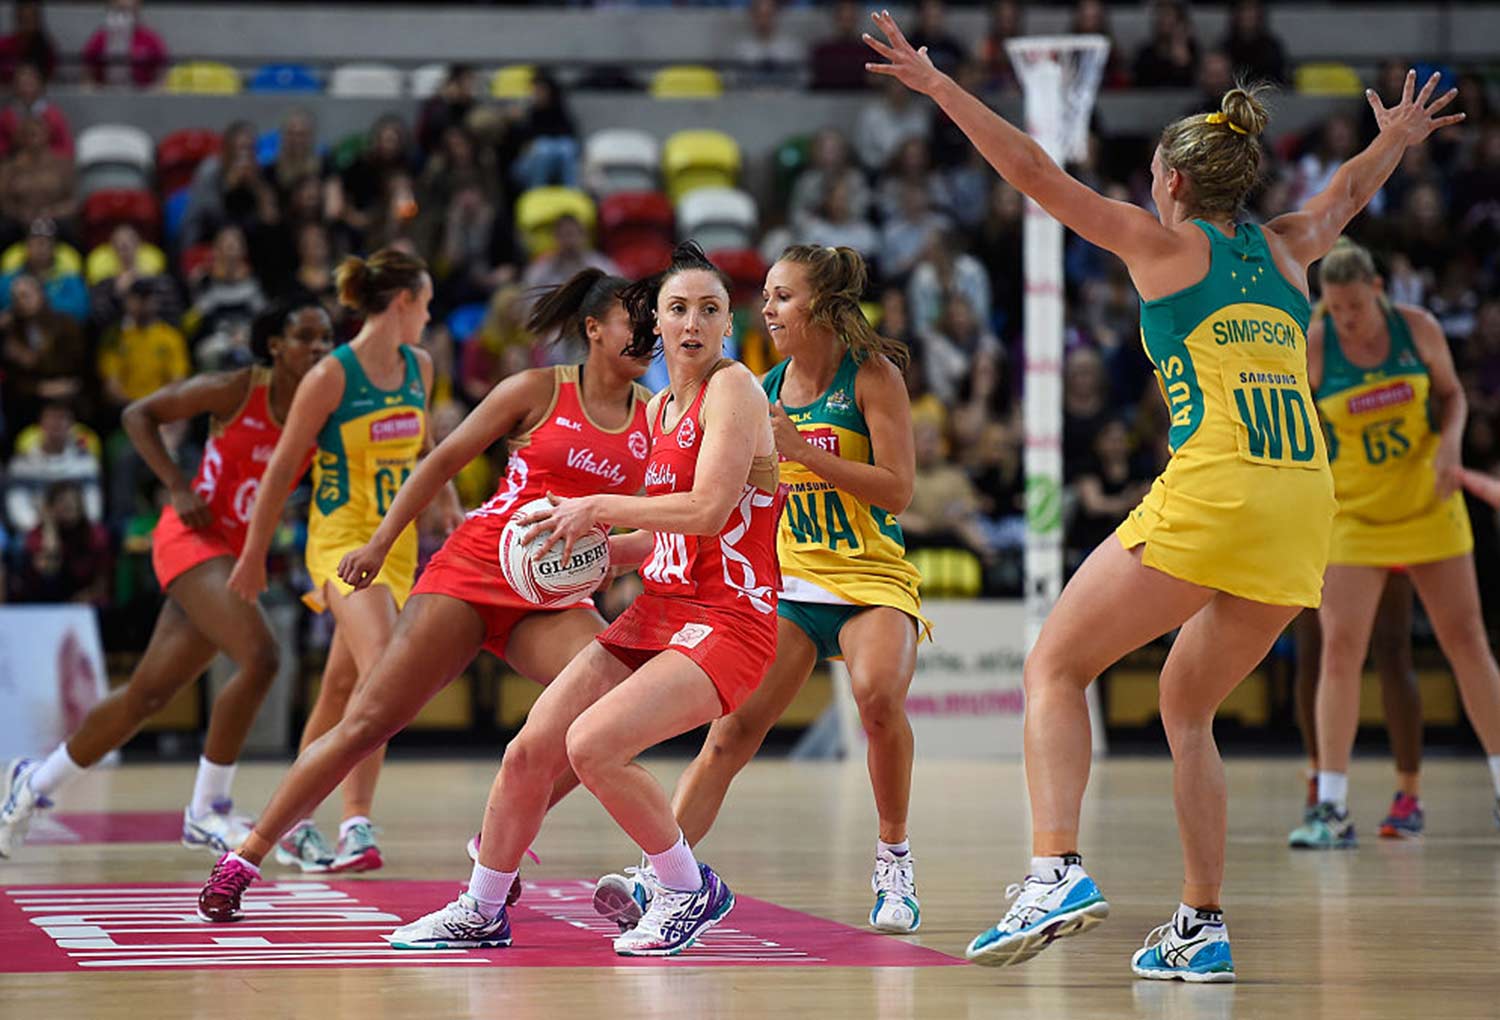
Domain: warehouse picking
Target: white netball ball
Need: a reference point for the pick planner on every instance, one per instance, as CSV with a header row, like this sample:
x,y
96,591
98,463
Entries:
x,y
546,580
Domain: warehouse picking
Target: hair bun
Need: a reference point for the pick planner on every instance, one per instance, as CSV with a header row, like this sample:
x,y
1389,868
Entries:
x,y
1243,110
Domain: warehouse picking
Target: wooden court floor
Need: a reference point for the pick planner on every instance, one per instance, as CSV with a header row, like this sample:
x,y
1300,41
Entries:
x,y
1390,930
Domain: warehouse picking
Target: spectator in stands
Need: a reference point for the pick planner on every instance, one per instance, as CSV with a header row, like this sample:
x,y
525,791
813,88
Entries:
x,y
944,49
1338,141
123,50
477,249
544,139
574,253
1215,77
838,60
835,224
142,353
448,107
887,121
1454,302
66,555
365,190
117,266
951,346
829,161
501,347
1478,362
946,270
228,189
984,395
35,182
316,260
903,237
1106,488
998,247
1085,406
944,508
29,42
1091,17
61,277
1475,205
1007,21
297,156
28,99
767,56
1423,233
43,352
275,239
1169,59
997,470
912,166
55,449
226,299
1255,52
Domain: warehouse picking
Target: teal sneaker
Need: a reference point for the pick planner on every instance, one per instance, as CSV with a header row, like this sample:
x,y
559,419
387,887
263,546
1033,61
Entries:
x,y
357,850
1045,909
305,847
1327,828
1194,949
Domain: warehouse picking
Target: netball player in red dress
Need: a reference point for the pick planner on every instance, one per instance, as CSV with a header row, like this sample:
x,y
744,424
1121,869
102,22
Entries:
x,y
573,430
192,550
688,650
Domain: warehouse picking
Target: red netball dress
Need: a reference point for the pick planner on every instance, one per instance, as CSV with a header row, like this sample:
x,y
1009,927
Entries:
x,y
227,480
566,454
710,597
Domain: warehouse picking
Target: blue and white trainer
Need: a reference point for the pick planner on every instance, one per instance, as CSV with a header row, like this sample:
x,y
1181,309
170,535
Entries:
x,y
21,803
307,848
1327,828
1045,909
219,829
895,886
1193,946
459,925
623,898
675,920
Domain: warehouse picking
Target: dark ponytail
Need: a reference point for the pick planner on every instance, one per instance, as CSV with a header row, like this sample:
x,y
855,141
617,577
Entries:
x,y
838,277
640,297
564,310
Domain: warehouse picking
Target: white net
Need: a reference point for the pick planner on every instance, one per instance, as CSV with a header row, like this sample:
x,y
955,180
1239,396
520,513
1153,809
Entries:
x,y
1060,75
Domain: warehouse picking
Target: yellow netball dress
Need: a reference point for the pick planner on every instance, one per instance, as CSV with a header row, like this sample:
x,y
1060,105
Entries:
x,y
839,555
1382,446
1245,505
366,450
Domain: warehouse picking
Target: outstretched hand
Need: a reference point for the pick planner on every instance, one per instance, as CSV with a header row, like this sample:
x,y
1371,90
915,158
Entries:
x,y
912,68
1414,118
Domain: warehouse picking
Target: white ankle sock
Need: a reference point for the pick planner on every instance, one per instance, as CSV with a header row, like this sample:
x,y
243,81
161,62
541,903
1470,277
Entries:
x,y
676,868
1188,917
490,888
900,849
56,771
1333,788
212,784
1050,869
1495,772
349,823
255,868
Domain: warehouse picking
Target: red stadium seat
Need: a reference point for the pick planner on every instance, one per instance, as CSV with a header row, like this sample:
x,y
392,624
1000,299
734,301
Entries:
x,y
745,269
105,210
642,257
628,218
178,156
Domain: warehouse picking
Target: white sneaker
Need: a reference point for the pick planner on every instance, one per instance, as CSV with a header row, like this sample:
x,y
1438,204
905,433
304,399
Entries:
x,y
675,920
1187,949
624,898
21,803
1044,910
895,887
459,925
219,829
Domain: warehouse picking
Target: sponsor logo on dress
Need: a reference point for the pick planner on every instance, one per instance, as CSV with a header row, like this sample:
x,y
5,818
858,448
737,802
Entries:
x,y
661,476
1399,392
687,433
599,467
691,635
567,423
639,445
252,423
400,426
823,438
244,499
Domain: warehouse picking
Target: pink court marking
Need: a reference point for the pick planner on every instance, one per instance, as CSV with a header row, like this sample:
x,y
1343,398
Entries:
x,y
340,924
70,828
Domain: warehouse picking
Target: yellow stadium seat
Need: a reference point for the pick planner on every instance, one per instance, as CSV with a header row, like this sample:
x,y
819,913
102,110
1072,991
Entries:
x,y
873,312
104,264
513,82
204,78
948,573
539,209
1327,79
699,159
687,81
69,262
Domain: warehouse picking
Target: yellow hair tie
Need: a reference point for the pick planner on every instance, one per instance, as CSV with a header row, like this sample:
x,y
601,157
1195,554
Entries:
x,y
1223,118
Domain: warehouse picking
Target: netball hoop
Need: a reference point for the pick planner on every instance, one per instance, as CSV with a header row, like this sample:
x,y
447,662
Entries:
x,y
1060,76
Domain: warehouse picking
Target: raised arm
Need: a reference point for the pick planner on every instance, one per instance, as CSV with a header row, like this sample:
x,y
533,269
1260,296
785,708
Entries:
x,y
1311,231
1125,229
885,483
317,397
509,406
217,393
